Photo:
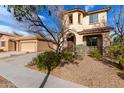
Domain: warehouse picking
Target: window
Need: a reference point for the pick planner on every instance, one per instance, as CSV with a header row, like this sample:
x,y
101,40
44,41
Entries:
x,y
79,18
92,41
2,43
93,18
70,19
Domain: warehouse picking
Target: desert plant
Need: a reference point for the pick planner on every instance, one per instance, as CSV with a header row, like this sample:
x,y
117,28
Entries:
x,y
48,61
121,62
67,56
95,53
115,51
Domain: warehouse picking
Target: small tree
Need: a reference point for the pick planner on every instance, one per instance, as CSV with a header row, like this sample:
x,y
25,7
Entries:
x,y
118,23
30,16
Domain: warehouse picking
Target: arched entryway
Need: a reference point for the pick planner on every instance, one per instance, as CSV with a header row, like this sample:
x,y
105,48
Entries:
x,y
71,42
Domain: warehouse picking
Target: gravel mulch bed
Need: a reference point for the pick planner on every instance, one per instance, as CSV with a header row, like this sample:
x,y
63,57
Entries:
x,y
90,73
5,83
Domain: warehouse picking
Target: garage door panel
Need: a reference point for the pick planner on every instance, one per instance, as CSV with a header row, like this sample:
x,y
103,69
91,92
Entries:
x,y
28,46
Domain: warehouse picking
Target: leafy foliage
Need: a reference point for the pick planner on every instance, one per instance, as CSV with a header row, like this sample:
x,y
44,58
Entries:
x,y
121,62
118,40
115,51
47,61
67,56
95,53
50,60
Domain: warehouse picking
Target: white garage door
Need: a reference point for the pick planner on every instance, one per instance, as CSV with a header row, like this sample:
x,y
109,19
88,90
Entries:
x,y
28,46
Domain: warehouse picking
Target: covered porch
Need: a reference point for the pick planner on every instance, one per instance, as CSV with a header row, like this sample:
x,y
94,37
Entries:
x,y
93,42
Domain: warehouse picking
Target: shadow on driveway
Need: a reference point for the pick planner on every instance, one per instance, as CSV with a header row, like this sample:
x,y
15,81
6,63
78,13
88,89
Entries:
x,y
45,80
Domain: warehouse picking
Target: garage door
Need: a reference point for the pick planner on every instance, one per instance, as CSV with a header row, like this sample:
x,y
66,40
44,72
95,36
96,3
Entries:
x,y
28,46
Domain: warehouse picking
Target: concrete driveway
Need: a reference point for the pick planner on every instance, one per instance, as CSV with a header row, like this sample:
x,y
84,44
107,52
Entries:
x,y
14,69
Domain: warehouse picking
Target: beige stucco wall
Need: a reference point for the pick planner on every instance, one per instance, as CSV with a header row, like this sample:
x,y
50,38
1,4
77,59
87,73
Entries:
x,y
9,45
29,45
79,38
106,39
4,38
44,45
102,21
75,26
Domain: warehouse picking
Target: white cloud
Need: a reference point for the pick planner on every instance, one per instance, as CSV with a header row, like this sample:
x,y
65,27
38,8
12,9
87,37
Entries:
x,y
8,22
6,18
89,7
9,29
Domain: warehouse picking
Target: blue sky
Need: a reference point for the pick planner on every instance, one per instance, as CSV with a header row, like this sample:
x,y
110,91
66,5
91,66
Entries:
x,y
9,24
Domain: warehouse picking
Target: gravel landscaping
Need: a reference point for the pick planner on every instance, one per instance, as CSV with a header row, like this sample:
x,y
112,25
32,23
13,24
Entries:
x,y
91,73
5,83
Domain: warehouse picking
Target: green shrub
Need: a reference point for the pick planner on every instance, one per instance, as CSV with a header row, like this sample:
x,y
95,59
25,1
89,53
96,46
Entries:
x,y
50,60
47,60
121,62
95,54
67,56
115,51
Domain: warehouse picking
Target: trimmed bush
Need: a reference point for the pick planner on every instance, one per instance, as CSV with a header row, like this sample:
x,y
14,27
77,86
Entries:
x,y
95,54
47,61
115,51
67,56
50,60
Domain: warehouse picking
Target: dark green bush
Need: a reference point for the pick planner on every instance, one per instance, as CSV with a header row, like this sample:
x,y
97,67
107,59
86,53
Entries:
x,y
115,51
47,60
50,60
67,56
95,53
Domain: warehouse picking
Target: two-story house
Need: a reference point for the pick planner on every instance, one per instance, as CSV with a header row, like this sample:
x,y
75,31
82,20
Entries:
x,y
87,28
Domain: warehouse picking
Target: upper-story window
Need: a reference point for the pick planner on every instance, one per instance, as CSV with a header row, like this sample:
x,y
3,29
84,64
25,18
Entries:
x,y
93,18
70,19
79,18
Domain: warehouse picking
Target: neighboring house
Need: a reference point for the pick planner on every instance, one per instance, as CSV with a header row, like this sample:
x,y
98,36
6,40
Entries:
x,y
10,42
7,42
88,29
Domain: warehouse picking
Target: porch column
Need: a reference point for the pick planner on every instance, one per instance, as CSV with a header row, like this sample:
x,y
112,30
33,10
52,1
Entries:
x,y
106,41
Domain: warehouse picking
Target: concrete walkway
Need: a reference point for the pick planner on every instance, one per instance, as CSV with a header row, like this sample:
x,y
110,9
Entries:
x,y
13,69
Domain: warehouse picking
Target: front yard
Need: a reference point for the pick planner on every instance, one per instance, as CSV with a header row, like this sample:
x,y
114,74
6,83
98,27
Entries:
x,y
90,73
